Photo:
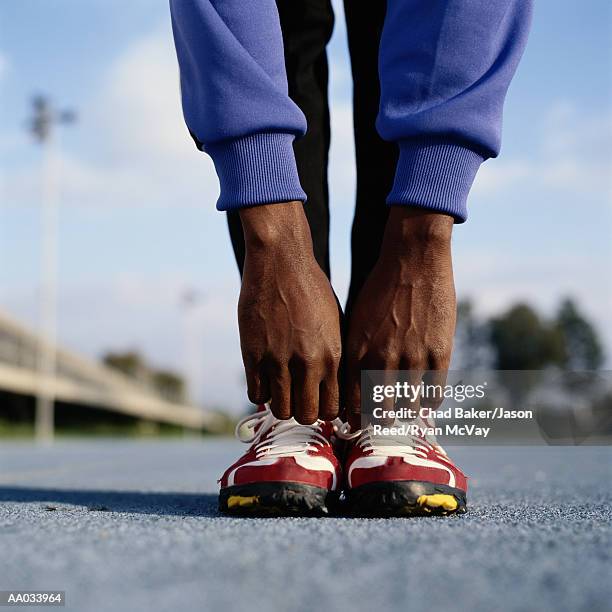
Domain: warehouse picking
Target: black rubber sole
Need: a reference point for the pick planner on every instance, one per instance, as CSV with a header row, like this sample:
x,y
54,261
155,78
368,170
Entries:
x,y
277,499
404,498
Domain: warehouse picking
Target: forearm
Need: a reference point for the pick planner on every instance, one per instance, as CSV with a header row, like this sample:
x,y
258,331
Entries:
x,y
445,67
234,95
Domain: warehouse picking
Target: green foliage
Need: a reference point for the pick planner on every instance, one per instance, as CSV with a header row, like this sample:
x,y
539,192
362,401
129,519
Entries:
x,y
472,345
129,363
582,349
522,340
167,384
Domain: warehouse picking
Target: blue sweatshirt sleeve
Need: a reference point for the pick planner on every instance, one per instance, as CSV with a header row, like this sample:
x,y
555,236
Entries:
x,y
235,97
445,67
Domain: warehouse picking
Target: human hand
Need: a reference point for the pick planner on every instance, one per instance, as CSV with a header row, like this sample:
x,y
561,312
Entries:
x,y
404,316
288,317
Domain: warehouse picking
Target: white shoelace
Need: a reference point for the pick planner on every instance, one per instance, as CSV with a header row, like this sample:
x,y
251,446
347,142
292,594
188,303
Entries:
x,y
289,437
286,438
391,446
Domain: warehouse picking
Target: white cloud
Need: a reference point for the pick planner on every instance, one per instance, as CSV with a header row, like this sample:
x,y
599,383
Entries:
x,y
496,175
140,152
574,155
140,101
146,152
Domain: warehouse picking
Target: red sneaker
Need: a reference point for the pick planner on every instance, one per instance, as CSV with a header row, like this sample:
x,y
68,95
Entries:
x,y
401,476
290,469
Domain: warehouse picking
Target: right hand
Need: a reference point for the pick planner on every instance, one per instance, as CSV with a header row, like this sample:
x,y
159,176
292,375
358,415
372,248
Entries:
x,y
288,317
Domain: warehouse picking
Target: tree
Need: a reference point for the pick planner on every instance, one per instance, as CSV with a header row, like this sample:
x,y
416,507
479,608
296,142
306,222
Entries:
x,y
582,349
521,340
165,383
129,363
169,385
472,345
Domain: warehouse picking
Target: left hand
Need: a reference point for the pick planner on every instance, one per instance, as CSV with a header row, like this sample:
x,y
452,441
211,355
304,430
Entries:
x,y
404,316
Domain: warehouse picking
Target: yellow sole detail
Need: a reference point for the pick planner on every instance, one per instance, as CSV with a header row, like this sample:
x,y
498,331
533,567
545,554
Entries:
x,y
242,501
437,500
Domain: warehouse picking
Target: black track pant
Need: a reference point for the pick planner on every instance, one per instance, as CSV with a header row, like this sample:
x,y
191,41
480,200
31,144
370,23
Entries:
x,y
307,26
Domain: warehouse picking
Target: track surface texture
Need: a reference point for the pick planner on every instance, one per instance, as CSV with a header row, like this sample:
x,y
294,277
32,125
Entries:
x,y
133,525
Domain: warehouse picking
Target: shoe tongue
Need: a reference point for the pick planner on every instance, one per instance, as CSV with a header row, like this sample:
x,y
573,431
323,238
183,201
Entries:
x,y
261,408
327,429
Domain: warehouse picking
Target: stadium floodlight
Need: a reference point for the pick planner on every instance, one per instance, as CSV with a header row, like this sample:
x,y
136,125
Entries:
x,y
190,301
42,126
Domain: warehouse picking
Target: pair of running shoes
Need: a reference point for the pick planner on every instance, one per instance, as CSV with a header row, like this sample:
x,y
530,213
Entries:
x,y
315,470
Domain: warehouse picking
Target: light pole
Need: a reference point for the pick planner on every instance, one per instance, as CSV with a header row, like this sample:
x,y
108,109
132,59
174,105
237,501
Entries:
x,y
191,299
44,119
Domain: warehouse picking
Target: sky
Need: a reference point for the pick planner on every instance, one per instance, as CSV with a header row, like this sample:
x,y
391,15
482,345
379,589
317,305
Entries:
x,y
138,227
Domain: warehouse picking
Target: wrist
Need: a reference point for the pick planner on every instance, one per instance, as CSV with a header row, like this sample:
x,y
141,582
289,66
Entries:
x,y
270,227
413,232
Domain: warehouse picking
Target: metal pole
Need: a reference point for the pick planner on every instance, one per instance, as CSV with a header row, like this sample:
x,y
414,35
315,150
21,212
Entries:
x,y
192,353
45,401
186,302
42,126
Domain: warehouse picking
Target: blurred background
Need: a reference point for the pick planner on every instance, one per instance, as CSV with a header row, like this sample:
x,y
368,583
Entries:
x,y
111,248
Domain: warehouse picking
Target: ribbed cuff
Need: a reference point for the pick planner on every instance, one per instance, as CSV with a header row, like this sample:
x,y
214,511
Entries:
x,y
435,175
256,169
